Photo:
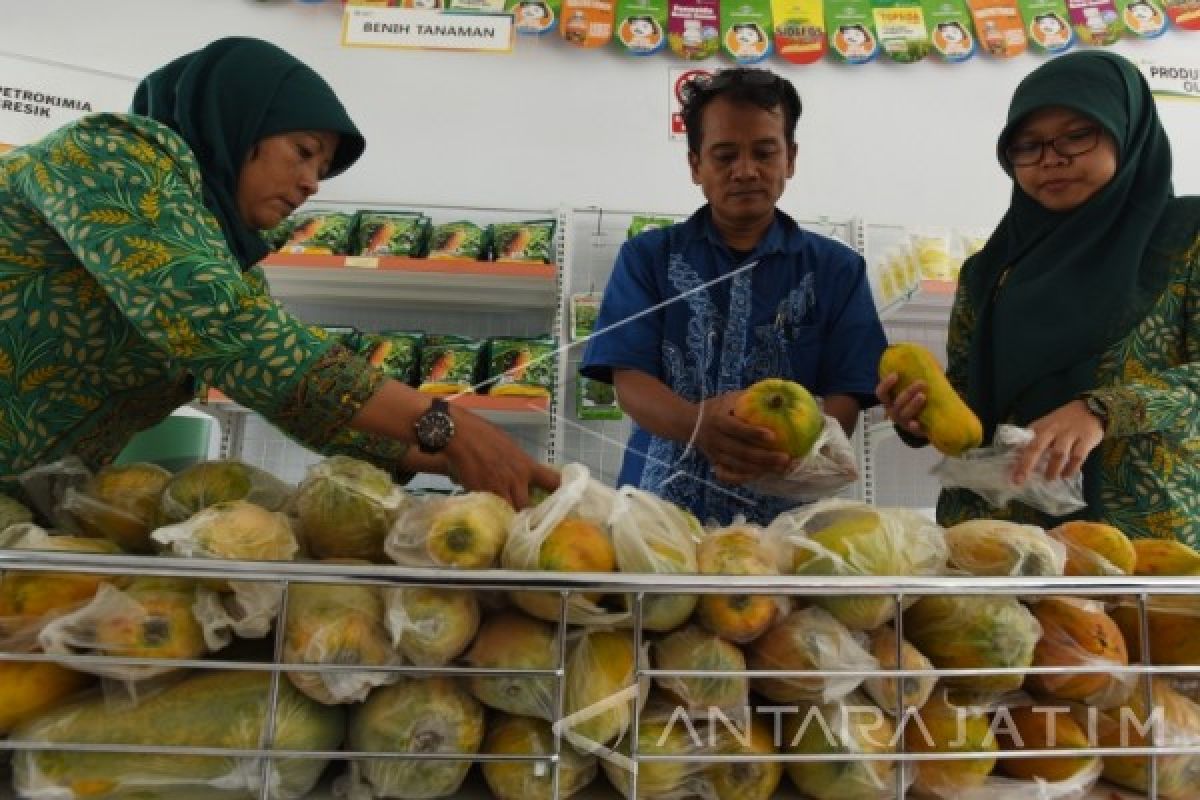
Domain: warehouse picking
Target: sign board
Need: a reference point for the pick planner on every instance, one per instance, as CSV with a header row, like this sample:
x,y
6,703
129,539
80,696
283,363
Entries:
x,y
1173,80
419,29
37,97
676,78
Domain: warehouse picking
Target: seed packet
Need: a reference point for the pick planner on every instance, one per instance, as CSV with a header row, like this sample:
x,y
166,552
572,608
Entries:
x,y
534,16
1144,18
901,27
799,30
949,25
521,367
1096,22
693,28
584,310
531,241
460,239
746,30
932,252
348,335
320,233
595,399
851,30
1047,26
639,224
588,23
397,353
276,237
999,27
642,25
448,364
390,233
1184,13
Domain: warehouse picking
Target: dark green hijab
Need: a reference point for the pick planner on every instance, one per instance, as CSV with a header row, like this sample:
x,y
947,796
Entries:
x,y
228,96
1079,280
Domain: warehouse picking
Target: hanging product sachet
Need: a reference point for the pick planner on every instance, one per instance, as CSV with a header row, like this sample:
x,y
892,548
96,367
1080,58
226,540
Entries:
x,y
1144,18
1046,23
1184,13
587,23
949,25
1096,22
642,25
799,30
534,16
746,29
901,27
851,30
999,27
693,31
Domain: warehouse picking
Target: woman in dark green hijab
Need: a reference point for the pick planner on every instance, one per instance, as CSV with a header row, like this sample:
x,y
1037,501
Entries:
x,y
1077,319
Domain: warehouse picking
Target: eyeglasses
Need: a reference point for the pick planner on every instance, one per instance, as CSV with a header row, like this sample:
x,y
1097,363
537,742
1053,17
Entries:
x,y
1069,144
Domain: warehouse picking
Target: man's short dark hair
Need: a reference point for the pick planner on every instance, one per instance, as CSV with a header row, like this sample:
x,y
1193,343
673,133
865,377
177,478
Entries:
x,y
742,86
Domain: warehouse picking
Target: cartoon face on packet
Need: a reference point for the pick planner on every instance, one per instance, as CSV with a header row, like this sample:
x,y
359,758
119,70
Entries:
x,y
854,41
749,39
952,33
1142,11
643,32
532,14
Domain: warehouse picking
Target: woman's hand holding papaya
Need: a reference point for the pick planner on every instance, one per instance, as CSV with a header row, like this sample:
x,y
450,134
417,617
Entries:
x,y
903,408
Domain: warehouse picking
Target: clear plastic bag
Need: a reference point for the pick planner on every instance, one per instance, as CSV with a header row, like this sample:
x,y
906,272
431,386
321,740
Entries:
x,y
208,483
119,503
237,530
850,725
466,531
13,512
247,609
600,693
1078,632
695,648
809,639
345,508
742,549
1077,787
827,469
568,531
661,731
46,486
898,695
150,618
986,547
431,627
510,640
531,780
987,471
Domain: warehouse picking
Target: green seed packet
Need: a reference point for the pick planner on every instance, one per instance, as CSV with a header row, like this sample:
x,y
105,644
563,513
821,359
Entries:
x,y
850,27
901,27
534,16
584,310
948,24
459,239
521,366
448,364
531,241
1046,24
348,335
320,233
746,29
641,223
276,237
642,26
389,233
397,353
596,400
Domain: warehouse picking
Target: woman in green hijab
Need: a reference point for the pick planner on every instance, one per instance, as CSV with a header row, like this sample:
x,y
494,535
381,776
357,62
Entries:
x,y
128,253
1080,318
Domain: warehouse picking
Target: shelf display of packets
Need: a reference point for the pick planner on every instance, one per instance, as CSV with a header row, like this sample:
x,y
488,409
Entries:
x,y
520,366
390,233
320,233
640,224
529,242
397,353
448,364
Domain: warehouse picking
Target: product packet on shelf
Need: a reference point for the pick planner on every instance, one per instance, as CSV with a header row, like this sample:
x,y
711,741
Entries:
x,y
534,16
641,26
461,239
448,364
596,399
390,233
523,242
397,353
799,30
851,25
522,367
320,233
746,30
641,224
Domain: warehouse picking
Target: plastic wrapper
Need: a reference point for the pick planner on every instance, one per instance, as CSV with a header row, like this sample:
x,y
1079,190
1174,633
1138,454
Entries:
x,y
13,512
465,531
120,504
974,632
851,725
652,536
741,549
599,694
150,618
210,483
693,648
397,353
1078,632
521,367
988,547
566,532
431,627
931,249
531,780
337,624
246,609
660,732
28,689
987,471
29,599
898,695
390,233
747,780
1039,726
1094,548
460,239
838,537
596,399
509,640
529,242
827,469
46,485
944,725
449,364
809,639
345,508
415,715
319,233
217,709
1078,787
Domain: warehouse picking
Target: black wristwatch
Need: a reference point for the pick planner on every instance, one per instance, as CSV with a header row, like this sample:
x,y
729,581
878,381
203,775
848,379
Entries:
x,y
434,428
1097,408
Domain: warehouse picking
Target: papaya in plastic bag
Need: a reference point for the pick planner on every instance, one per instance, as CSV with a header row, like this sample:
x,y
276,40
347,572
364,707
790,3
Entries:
x,y
465,531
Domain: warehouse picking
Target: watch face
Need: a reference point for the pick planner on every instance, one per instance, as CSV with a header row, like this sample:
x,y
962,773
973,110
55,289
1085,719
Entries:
x,y
434,430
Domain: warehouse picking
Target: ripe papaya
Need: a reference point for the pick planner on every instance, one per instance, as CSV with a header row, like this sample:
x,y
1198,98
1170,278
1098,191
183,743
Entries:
x,y
1033,732
952,427
787,410
531,780
1094,548
747,781
1077,632
27,688
941,726
1164,557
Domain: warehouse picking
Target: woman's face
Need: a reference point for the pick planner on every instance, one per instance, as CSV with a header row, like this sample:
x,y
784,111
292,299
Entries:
x,y
282,172
1058,182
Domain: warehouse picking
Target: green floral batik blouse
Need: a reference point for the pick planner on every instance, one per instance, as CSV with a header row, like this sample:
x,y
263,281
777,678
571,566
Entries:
x,y
119,296
1150,385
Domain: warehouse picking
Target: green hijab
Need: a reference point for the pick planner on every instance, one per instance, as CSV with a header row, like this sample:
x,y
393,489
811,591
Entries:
x,y
1079,281
228,96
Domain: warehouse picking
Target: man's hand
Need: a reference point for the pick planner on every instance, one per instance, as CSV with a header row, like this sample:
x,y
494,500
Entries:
x,y
904,407
481,457
1068,434
739,452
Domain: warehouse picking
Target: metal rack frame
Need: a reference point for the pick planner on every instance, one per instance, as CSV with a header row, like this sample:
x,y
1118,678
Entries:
x,y
565,585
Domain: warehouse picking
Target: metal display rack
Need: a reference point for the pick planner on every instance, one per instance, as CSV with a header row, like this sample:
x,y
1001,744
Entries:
x,y
565,585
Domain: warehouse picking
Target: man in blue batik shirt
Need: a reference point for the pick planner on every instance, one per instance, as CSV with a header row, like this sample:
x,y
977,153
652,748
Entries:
x,y
696,312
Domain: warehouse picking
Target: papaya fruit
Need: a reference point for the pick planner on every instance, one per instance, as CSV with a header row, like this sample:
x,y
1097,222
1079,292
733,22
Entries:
x,y
1177,719
28,688
941,726
120,503
573,545
511,640
952,427
208,483
898,694
531,780
1094,548
468,531
1034,732
431,627
661,734
1164,557
653,536
345,508
158,623
787,410
740,550
748,780
1077,632
13,512
987,547
849,726
809,639
695,648
1174,628
599,665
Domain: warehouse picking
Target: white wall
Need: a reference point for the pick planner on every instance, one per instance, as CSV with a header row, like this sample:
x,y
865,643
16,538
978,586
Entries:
x,y
546,125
